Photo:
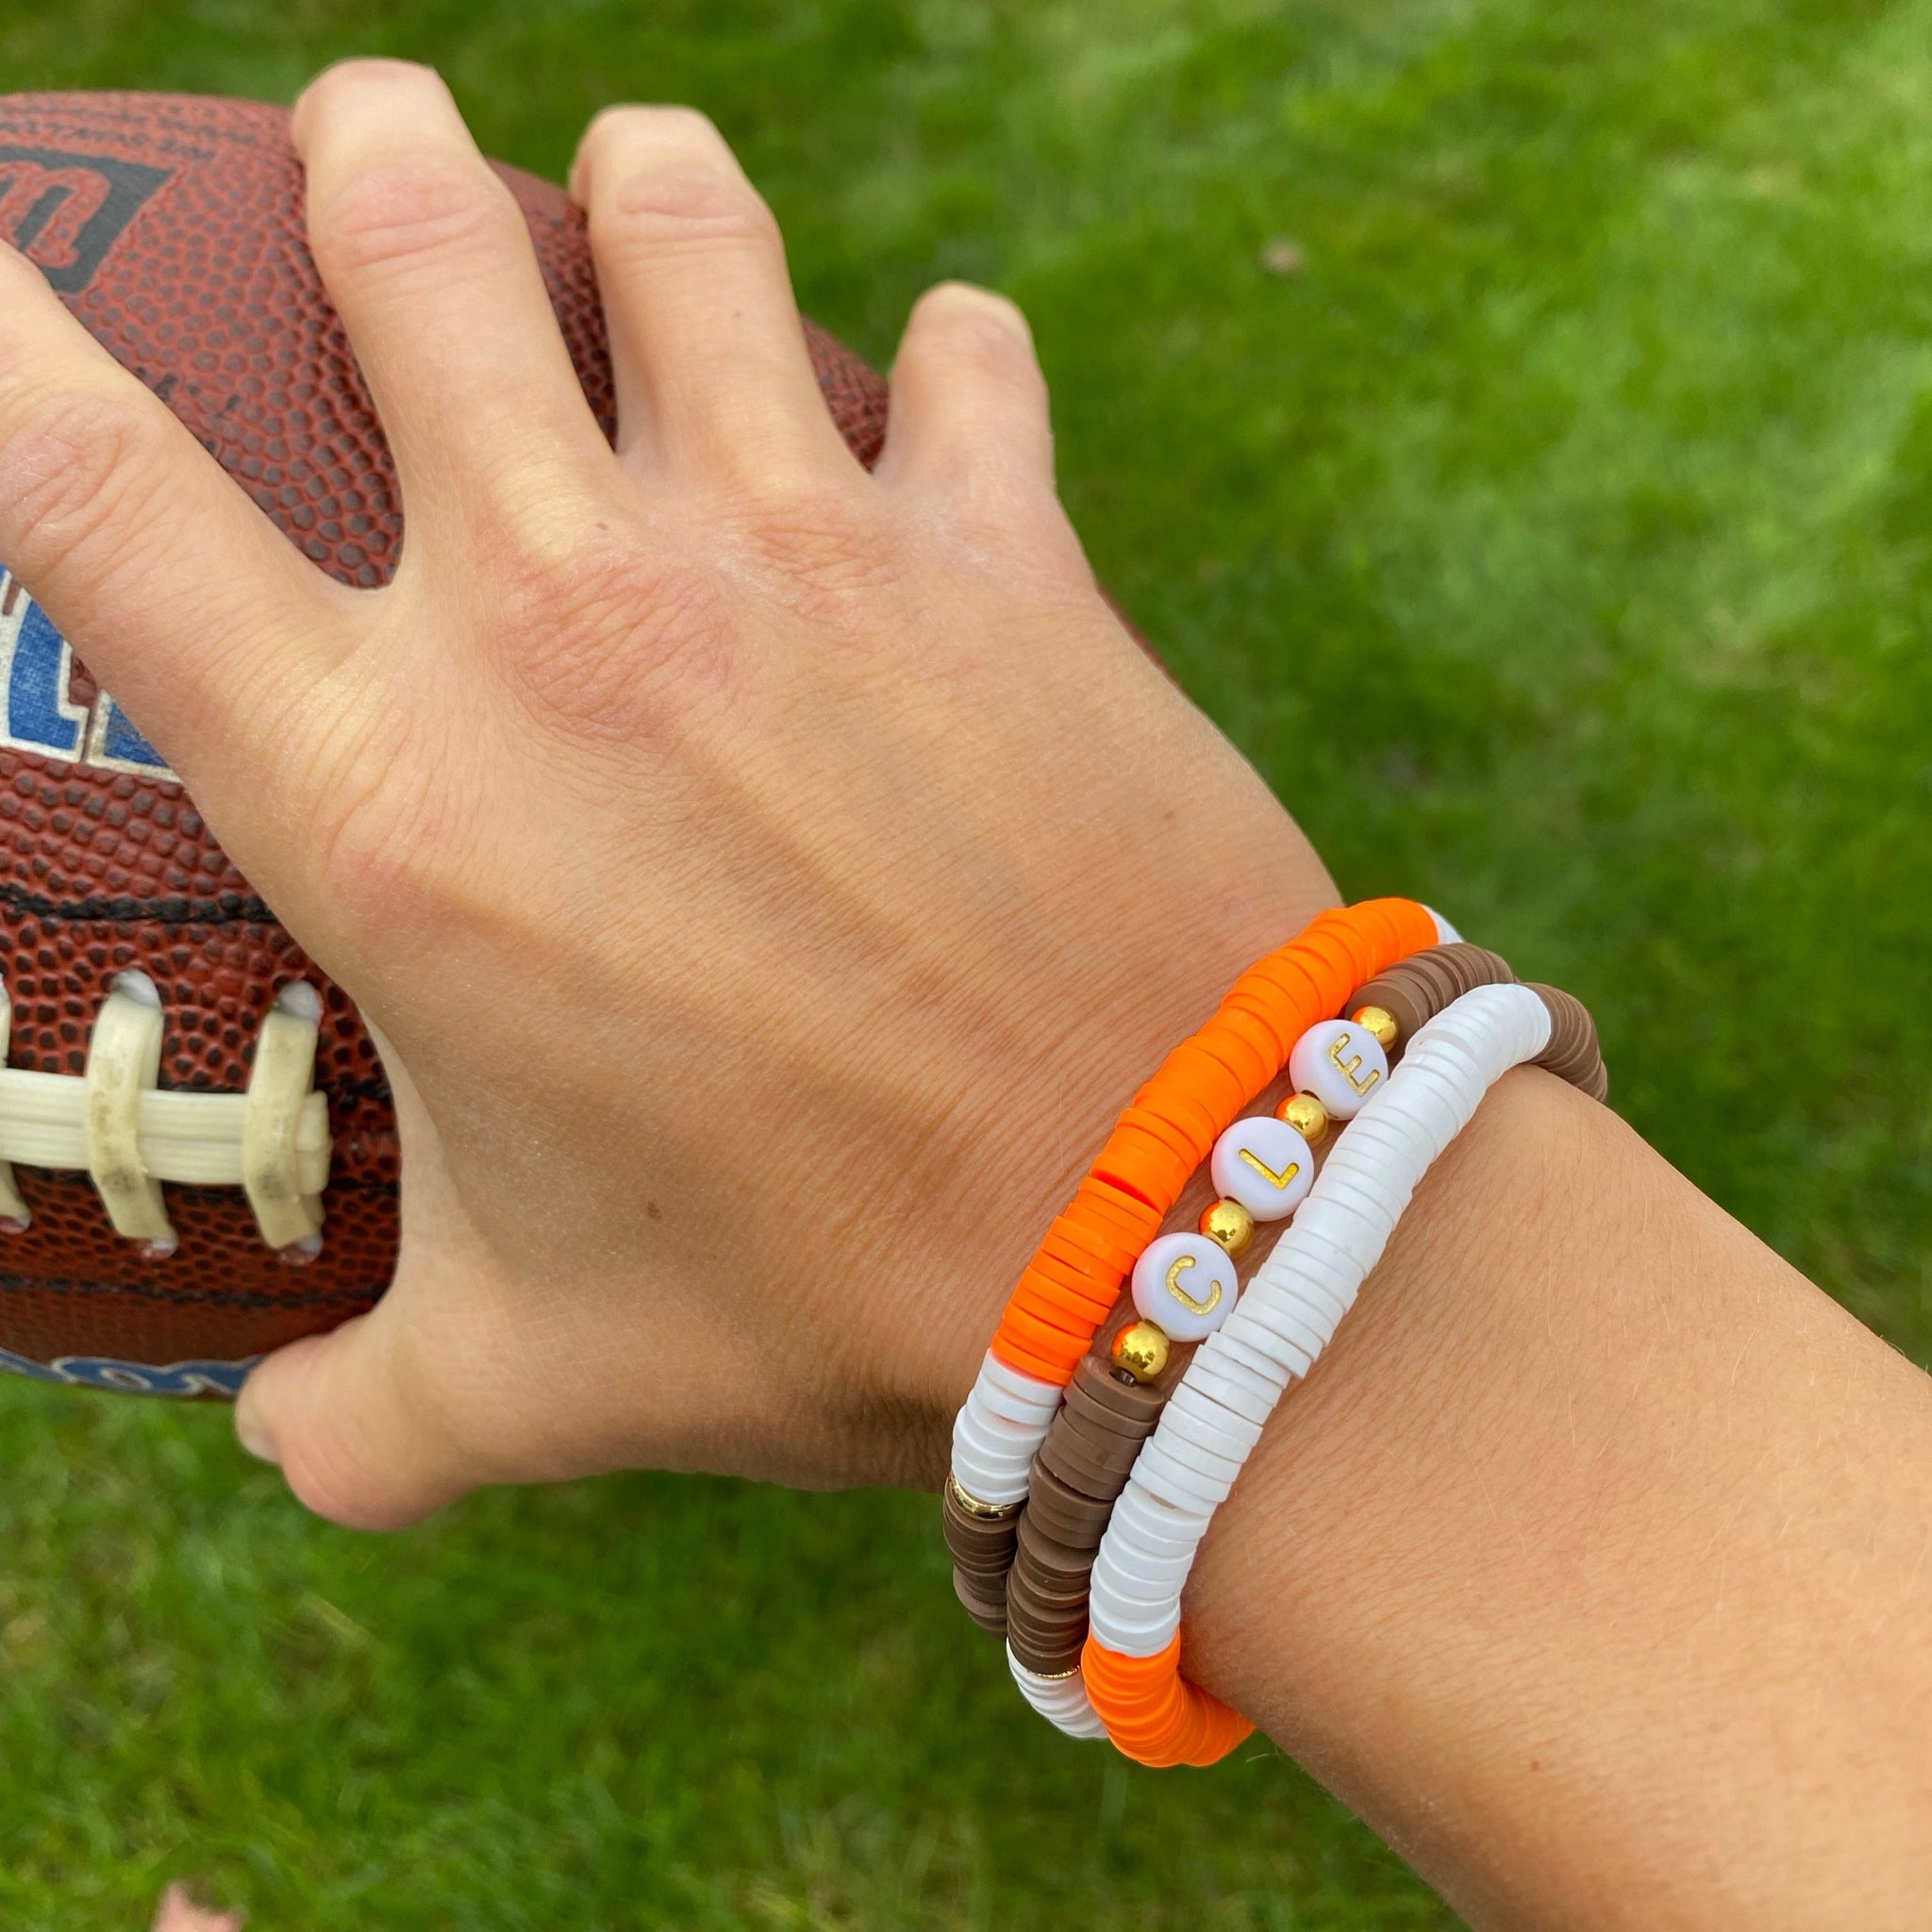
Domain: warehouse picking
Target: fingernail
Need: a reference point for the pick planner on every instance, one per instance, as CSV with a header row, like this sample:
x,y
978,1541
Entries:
x,y
253,1437
995,308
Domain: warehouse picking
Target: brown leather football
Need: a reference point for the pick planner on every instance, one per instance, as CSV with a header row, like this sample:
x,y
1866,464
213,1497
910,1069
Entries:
x,y
172,227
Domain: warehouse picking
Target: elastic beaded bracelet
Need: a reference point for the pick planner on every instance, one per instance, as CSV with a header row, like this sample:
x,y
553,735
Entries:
x,y
1070,1286
1131,1660
1263,1185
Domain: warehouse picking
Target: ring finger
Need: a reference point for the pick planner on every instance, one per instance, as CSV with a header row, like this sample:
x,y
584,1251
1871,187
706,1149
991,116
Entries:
x,y
705,342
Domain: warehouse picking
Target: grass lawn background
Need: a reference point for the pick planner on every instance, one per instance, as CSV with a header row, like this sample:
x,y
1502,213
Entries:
x,y
1584,468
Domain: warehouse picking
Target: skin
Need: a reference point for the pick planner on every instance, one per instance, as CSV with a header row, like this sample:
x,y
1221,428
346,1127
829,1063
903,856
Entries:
x,y
179,1912
769,880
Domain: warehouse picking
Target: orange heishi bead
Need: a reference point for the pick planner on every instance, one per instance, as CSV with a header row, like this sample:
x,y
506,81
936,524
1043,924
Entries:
x,y
1152,1713
1106,1208
1047,1302
1142,1163
1195,1107
1045,1340
1052,1303
1245,1045
1074,1284
1016,1355
1080,1246
1219,1089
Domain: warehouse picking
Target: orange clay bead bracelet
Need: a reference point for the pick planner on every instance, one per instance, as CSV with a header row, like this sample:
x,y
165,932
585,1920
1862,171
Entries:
x,y
1072,1283
1175,1120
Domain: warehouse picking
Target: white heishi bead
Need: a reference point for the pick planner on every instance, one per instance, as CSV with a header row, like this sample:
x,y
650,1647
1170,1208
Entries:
x,y
1180,1489
1186,1284
998,1432
990,1482
1217,1428
1340,1064
1026,1391
1158,1577
1128,1628
1265,1165
1285,1327
1064,1701
1242,1398
1153,1525
992,1436
1446,934
1174,1471
1225,1348
994,1402
1213,1464
1133,1582
1136,1547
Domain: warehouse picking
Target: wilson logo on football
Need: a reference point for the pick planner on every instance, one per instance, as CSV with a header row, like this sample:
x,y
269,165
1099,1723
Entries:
x,y
39,712
64,212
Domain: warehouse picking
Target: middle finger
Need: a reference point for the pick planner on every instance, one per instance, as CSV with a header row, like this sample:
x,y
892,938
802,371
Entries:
x,y
426,254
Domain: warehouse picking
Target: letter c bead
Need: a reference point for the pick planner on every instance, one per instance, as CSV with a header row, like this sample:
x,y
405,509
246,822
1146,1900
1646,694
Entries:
x,y
1265,1165
1186,1284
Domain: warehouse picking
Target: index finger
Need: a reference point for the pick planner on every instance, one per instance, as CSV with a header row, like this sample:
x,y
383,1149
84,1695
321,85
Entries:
x,y
174,587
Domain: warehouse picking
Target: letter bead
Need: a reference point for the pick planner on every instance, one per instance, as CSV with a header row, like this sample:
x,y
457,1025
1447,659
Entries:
x,y
1340,1064
1187,1284
1265,1165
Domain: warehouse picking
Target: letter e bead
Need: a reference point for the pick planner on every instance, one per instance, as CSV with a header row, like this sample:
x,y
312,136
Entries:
x,y
1340,1064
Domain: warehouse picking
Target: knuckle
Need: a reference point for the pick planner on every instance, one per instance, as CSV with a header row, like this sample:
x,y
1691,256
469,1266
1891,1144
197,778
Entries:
x,y
598,644
82,476
409,213
821,536
390,838
17,272
331,1484
682,202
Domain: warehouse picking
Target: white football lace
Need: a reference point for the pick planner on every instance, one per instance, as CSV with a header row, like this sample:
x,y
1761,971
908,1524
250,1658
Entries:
x,y
129,1135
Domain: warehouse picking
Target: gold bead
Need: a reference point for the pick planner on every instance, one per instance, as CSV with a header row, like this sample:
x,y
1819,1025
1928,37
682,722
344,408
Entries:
x,y
1307,1116
991,1512
1229,1226
1378,1021
1141,1350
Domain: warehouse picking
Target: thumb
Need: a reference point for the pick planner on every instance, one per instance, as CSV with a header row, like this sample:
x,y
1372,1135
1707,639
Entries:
x,y
357,1443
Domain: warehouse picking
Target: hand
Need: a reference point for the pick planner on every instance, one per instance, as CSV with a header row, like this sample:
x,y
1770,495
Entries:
x,y
766,879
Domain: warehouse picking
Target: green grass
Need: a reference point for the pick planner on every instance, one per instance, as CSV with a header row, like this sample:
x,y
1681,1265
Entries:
x,y
1557,541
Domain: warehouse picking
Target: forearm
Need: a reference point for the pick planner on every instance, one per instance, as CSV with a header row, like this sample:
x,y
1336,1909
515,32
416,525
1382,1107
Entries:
x,y
1589,1564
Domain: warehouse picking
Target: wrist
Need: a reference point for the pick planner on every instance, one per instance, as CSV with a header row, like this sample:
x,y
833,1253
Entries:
x,y
1331,1487
1518,1571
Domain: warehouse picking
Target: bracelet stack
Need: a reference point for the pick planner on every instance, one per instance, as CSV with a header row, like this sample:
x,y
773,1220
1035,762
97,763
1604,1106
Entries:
x,y
1069,1288
1079,1492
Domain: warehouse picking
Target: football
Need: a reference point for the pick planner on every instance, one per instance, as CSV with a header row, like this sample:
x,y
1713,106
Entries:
x,y
198,1155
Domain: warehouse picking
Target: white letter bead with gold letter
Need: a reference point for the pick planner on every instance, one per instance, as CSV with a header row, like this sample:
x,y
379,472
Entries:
x,y
1265,1165
1340,1064
1186,1284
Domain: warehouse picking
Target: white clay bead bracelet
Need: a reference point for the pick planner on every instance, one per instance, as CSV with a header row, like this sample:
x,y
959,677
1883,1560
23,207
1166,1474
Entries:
x,y
1306,1285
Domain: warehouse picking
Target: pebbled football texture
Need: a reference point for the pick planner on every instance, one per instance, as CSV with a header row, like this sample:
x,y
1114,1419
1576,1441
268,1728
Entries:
x,y
172,227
